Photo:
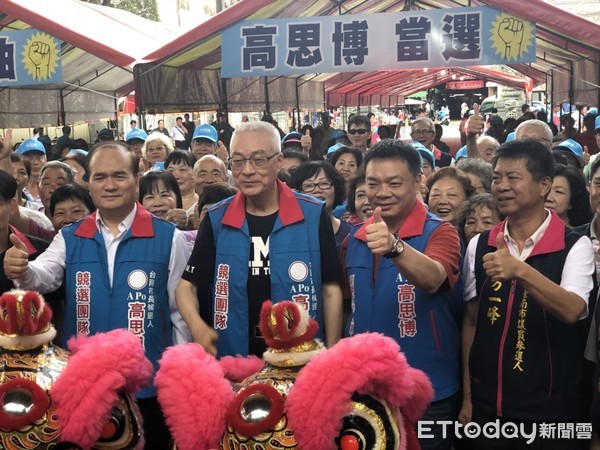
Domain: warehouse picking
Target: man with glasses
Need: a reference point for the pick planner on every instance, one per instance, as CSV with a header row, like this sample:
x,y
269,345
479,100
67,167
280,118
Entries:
x,y
359,132
536,130
528,284
205,141
423,131
265,243
135,141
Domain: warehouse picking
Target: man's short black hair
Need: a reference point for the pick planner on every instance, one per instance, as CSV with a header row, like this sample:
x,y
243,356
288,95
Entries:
x,y
538,159
8,186
134,162
395,149
71,192
180,156
359,120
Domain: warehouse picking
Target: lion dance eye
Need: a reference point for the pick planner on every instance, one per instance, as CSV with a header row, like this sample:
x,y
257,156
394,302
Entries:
x,y
352,440
369,425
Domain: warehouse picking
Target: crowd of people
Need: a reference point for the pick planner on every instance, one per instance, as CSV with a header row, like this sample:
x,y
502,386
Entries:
x,y
483,265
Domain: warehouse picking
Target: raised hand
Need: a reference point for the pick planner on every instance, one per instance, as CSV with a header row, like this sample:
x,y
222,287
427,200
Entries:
x,y
16,258
500,265
379,238
476,122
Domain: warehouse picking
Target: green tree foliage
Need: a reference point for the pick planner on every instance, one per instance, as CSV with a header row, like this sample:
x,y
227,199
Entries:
x,y
147,9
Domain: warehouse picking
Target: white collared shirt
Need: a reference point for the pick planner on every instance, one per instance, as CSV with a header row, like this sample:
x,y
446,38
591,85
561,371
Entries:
x,y
577,270
47,272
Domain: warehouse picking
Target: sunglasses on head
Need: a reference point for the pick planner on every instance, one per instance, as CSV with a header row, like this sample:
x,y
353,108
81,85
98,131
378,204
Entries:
x,y
358,130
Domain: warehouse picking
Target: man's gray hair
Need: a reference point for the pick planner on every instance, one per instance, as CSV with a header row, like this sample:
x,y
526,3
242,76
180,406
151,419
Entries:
x,y
59,165
426,120
258,127
535,123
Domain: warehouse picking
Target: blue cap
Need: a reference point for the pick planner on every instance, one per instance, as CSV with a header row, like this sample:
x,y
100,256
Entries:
x,y
461,153
31,145
569,145
136,133
293,137
336,134
597,124
424,152
510,137
334,147
77,150
206,131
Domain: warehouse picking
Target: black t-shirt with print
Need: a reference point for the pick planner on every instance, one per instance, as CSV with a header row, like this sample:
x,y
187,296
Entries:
x,y
201,268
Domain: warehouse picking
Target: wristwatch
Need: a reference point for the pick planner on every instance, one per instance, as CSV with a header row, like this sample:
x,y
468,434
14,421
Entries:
x,y
397,248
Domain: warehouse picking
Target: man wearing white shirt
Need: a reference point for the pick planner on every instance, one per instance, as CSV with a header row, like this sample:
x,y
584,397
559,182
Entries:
x,y
120,266
528,283
178,133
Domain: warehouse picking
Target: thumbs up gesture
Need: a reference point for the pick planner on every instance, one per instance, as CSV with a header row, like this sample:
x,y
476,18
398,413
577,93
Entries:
x,y
500,265
306,141
586,155
475,123
379,238
221,151
16,259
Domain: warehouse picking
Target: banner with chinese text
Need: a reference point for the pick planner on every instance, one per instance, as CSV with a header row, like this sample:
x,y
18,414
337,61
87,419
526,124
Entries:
x,y
29,57
369,42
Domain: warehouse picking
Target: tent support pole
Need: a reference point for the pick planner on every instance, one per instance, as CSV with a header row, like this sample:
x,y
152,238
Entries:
x,y
598,79
117,115
297,106
63,114
267,104
224,102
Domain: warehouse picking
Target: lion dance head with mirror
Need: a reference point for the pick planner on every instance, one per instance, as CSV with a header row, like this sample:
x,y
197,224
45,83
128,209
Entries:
x,y
51,398
359,394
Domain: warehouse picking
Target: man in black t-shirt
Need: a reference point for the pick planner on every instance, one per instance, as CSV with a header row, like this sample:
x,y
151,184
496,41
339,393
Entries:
x,y
265,243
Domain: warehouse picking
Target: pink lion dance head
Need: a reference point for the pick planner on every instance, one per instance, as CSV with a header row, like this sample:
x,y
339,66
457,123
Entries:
x,y
361,393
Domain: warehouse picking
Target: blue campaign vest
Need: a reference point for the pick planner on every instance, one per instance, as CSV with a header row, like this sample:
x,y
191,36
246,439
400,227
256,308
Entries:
x,y
425,328
138,299
295,265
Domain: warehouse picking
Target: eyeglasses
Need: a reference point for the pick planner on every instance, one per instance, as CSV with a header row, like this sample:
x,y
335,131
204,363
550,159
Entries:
x,y
358,130
256,161
323,186
418,132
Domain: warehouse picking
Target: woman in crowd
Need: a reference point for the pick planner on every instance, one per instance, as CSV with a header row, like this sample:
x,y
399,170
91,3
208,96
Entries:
x,y
479,214
76,160
156,149
70,203
479,172
322,181
347,161
160,194
569,196
181,164
448,189
214,193
358,203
